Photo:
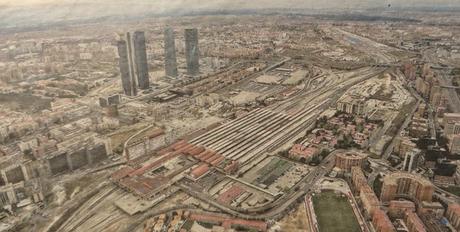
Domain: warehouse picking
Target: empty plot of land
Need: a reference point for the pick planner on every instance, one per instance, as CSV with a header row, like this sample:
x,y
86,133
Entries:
x,y
24,102
296,221
244,97
334,213
269,79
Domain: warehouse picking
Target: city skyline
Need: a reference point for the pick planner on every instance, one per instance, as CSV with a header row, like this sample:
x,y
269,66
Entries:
x,y
229,116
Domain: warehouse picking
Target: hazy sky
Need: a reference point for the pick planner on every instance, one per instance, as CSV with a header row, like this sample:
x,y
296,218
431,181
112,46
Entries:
x,y
17,13
246,3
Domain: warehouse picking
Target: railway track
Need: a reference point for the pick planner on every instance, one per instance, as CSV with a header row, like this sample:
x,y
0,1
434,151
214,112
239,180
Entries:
x,y
245,137
82,214
264,130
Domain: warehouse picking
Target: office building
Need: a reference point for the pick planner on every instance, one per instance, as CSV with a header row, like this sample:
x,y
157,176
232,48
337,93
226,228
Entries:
x,y
140,60
192,53
128,83
133,63
170,53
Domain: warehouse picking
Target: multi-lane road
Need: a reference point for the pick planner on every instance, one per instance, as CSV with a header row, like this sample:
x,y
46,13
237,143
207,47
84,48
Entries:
x,y
454,101
380,53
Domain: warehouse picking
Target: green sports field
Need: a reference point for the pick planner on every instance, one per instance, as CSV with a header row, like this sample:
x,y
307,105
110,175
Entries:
x,y
334,213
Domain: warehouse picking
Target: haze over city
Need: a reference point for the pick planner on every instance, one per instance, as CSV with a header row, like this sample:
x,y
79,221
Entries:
x,y
229,116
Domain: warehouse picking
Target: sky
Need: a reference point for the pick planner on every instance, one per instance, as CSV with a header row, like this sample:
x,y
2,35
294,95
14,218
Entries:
x,y
243,3
17,13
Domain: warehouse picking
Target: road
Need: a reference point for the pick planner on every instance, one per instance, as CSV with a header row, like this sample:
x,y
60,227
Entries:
x,y
279,206
379,51
444,80
454,101
330,91
406,122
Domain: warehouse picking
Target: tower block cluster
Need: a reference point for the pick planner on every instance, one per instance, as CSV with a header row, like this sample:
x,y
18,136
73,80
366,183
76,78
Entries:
x,y
133,62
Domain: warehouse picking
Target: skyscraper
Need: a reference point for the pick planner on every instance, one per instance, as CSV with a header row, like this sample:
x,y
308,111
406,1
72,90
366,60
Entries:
x,y
127,82
170,53
192,54
133,63
140,60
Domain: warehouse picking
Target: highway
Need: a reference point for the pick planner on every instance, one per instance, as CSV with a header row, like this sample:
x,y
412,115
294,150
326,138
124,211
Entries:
x,y
444,80
380,52
454,101
406,122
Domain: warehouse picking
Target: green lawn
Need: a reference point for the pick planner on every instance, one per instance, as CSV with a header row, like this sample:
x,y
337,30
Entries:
x,y
378,183
274,169
334,213
453,189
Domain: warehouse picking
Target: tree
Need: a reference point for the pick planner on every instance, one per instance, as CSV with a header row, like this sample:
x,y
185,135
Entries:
x,y
315,160
324,153
360,127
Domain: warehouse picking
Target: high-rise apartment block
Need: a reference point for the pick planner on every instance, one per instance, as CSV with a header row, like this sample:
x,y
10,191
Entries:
x,y
403,183
453,215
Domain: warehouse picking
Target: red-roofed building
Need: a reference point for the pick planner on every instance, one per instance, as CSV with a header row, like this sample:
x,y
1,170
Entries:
x,y
232,193
199,171
302,153
217,161
369,200
228,222
121,173
232,167
381,222
358,178
414,223
398,209
453,215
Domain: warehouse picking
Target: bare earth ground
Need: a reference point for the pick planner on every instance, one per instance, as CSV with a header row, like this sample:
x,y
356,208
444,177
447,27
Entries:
x,y
296,221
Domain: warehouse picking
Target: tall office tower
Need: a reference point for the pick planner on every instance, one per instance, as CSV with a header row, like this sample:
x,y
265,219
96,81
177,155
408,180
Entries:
x,y
170,53
127,82
133,63
192,54
140,60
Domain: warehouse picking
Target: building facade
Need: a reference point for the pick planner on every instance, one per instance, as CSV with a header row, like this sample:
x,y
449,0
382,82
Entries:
x,y
347,160
453,215
170,53
140,59
133,63
192,53
407,184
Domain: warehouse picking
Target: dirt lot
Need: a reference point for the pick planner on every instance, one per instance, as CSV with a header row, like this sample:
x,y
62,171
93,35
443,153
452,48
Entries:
x,y
296,221
24,102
